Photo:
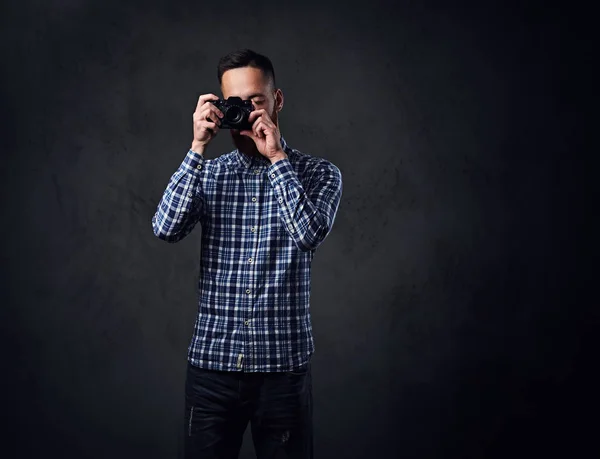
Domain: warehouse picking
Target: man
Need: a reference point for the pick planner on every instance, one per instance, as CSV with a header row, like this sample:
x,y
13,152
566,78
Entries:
x,y
264,208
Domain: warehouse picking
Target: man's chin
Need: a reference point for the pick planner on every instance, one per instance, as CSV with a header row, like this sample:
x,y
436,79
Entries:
x,y
236,136
243,143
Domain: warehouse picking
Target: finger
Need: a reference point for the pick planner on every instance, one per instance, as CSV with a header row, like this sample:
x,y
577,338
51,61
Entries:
x,y
209,108
256,123
209,118
258,128
214,116
255,114
212,127
263,129
265,120
205,98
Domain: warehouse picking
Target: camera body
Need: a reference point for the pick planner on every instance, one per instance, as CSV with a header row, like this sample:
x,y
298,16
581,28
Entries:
x,y
236,112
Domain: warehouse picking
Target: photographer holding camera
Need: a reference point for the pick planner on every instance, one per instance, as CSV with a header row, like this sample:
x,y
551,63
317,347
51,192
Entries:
x,y
264,208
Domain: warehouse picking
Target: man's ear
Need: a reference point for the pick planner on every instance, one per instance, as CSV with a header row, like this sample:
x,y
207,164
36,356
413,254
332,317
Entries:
x,y
278,99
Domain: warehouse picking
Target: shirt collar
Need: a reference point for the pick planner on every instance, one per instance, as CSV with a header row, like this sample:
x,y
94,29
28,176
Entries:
x,y
250,161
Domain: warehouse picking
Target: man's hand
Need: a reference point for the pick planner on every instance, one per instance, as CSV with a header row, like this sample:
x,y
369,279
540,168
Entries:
x,y
266,135
207,120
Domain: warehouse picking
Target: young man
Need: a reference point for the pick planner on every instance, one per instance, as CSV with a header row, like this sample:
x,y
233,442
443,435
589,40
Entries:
x,y
264,208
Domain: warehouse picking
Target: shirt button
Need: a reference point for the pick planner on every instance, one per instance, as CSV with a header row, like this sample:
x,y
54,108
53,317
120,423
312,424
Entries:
x,y
273,175
190,194
253,198
280,199
256,171
248,291
253,229
247,322
250,260
199,166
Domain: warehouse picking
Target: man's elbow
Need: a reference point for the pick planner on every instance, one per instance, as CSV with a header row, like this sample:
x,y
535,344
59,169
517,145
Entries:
x,y
167,236
170,238
311,240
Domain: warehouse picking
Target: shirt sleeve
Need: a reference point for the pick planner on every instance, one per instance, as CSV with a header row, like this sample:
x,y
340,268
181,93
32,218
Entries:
x,y
182,202
308,214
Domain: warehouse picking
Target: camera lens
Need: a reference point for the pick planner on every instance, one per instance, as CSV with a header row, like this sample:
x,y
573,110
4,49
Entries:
x,y
234,114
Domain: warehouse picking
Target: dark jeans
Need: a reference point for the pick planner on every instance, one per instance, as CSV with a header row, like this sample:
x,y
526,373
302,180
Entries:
x,y
219,405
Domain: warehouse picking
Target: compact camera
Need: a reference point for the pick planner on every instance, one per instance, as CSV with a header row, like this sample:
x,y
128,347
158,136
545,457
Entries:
x,y
236,112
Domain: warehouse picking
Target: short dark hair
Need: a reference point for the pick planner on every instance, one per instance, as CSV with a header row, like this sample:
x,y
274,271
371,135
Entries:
x,y
246,58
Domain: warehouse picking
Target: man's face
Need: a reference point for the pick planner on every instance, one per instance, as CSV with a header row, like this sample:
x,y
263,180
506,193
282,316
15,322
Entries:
x,y
250,83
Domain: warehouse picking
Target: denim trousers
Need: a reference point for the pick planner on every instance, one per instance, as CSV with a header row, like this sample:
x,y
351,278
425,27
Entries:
x,y
220,404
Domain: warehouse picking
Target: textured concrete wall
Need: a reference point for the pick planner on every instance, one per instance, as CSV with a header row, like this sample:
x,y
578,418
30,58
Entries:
x,y
443,301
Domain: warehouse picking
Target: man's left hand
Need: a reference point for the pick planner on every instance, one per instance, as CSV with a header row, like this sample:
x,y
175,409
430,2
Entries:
x,y
265,134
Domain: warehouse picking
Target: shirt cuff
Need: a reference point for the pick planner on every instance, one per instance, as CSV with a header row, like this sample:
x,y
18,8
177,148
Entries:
x,y
280,171
193,162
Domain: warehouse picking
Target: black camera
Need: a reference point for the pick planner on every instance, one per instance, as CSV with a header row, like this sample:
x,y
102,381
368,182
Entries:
x,y
236,112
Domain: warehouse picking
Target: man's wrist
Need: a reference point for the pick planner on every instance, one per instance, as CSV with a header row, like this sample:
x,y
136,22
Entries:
x,y
198,148
278,157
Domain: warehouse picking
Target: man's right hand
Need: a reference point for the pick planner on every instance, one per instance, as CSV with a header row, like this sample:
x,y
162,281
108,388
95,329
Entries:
x,y
207,120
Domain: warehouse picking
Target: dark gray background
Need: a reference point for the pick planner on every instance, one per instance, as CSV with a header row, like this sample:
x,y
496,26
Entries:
x,y
446,302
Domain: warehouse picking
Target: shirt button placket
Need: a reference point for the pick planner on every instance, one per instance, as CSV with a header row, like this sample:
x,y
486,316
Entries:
x,y
253,229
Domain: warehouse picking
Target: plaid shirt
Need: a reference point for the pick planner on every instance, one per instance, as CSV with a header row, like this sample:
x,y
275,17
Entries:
x,y
261,224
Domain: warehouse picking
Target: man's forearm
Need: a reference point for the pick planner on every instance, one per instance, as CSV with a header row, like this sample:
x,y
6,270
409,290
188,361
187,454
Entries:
x,y
307,214
182,202
278,157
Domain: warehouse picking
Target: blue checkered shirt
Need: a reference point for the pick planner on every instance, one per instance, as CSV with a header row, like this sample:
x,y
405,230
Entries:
x,y
261,224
